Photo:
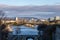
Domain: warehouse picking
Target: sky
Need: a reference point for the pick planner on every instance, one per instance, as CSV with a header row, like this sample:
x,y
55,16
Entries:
x,y
29,2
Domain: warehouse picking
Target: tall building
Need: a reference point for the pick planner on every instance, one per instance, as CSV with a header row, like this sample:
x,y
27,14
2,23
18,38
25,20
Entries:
x,y
17,19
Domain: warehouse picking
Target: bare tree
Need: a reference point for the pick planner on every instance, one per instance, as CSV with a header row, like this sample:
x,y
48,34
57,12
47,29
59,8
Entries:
x,y
3,34
2,15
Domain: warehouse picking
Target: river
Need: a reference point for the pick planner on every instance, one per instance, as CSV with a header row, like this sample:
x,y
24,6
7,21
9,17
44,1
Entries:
x,y
23,30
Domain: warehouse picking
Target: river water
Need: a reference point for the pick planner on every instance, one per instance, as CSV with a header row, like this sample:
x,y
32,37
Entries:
x,y
23,30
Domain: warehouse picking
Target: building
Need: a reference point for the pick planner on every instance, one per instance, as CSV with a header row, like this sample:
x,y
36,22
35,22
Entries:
x,y
17,19
57,18
54,18
51,19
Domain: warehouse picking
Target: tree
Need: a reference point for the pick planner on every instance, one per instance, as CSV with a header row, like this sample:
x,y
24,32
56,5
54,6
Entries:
x,y
2,16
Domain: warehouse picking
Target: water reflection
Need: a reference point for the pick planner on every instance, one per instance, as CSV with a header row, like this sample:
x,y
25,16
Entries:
x,y
30,39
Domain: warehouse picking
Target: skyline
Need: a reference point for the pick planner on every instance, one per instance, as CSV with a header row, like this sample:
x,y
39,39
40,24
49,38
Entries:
x,y
30,2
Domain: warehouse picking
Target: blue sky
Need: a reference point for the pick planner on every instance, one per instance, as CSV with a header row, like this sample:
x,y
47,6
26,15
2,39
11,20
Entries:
x,y
30,2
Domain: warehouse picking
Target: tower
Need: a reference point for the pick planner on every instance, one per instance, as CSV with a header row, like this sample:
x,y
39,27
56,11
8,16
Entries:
x,y
17,20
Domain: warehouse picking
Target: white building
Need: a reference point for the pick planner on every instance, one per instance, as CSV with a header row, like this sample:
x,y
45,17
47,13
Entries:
x,y
54,18
51,19
57,18
17,18
42,20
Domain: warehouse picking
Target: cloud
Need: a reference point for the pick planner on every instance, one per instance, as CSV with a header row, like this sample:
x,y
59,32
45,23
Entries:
x,y
34,11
